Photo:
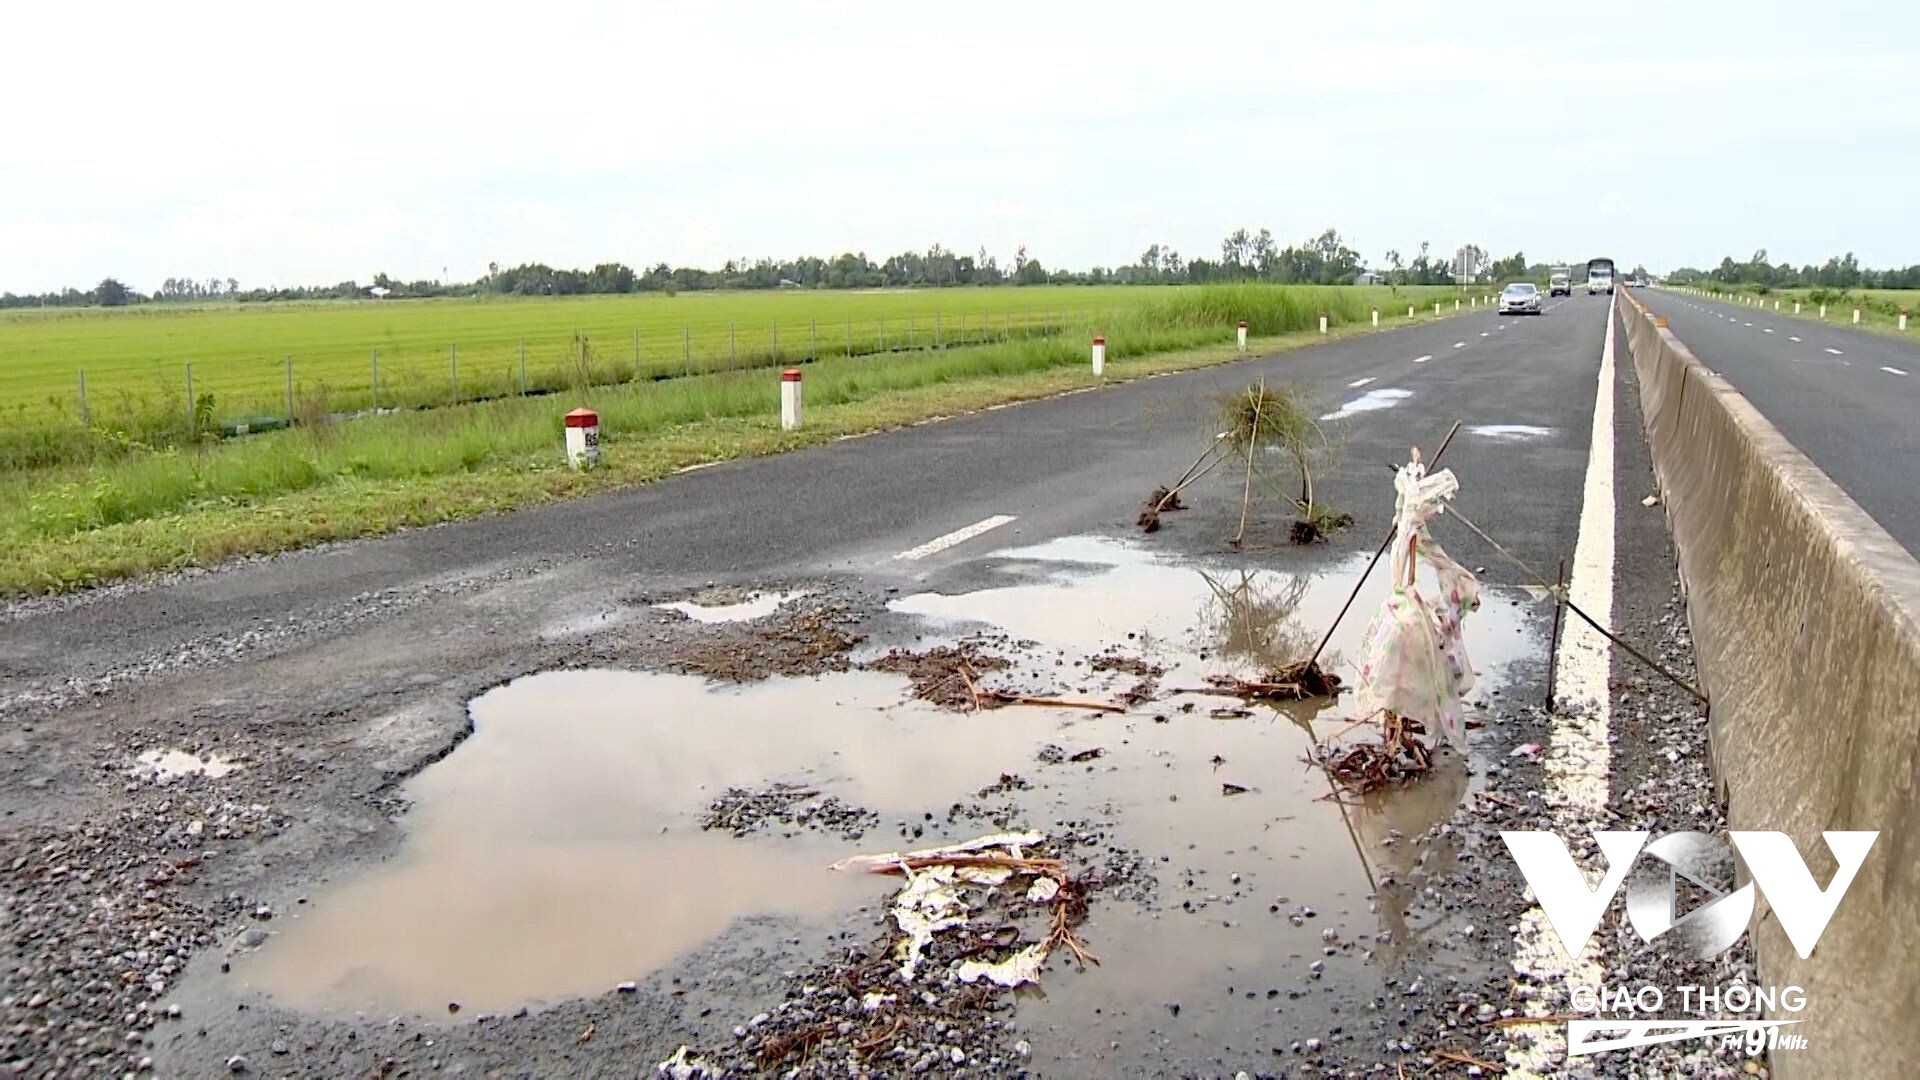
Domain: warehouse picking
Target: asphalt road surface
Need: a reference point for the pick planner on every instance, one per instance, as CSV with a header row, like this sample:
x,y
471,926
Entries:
x,y
1849,399
335,674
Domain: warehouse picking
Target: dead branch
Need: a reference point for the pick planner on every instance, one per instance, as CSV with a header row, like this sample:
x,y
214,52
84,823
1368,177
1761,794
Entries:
x,y
1008,698
1460,1058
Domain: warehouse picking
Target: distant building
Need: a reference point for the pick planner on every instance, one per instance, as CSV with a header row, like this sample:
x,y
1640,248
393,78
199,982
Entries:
x,y
1370,277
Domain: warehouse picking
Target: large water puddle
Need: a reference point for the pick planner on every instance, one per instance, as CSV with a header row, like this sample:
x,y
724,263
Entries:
x,y
558,851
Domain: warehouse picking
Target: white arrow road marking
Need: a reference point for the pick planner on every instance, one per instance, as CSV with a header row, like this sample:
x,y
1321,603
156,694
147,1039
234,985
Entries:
x,y
957,536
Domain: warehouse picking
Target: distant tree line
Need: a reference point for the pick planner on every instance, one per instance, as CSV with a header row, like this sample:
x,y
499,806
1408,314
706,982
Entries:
x,y
1839,272
1322,260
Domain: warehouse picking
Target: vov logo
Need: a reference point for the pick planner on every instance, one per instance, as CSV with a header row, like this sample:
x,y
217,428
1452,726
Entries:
x,y
1697,859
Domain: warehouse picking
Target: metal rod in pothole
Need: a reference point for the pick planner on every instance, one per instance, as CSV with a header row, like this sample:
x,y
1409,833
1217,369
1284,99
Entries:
x,y
1553,647
1375,561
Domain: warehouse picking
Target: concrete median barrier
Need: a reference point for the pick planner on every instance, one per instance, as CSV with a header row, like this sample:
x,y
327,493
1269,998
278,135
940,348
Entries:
x,y
1806,623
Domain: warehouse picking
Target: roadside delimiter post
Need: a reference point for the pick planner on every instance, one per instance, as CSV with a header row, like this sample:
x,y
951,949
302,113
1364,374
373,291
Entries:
x,y
790,400
583,438
1099,354
1243,335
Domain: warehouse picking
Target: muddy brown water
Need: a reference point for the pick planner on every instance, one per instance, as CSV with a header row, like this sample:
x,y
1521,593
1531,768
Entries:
x,y
557,852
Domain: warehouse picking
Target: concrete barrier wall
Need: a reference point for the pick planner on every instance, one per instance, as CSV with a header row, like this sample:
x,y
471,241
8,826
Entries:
x,y
1806,624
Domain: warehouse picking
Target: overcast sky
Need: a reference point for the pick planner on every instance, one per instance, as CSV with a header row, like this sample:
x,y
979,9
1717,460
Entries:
x,y
284,144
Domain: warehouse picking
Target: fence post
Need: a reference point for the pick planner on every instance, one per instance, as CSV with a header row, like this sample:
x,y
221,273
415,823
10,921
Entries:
x,y
85,419
289,363
373,376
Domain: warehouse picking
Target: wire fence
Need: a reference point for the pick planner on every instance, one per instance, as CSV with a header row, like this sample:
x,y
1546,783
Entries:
x,y
161,402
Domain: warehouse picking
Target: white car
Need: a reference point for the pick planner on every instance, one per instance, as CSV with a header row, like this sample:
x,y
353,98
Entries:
x,y
1520,298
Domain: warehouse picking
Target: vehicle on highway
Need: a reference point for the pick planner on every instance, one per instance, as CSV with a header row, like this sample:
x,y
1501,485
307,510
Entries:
x,y
1520,298
1599,276
1560,285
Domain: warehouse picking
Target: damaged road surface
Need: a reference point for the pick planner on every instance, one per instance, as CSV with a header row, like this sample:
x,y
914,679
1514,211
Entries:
x,y
424,804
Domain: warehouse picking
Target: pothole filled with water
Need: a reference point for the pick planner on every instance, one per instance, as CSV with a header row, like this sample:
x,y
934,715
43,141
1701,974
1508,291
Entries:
x,y
560,850
755,606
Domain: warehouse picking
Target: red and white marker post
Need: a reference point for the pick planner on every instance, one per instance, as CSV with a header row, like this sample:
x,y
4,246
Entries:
x,y
583,438
1243,335
790,400
1376,318
1323,322
1099,354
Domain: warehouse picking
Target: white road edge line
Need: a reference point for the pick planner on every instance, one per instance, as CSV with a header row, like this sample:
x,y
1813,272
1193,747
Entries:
x,y
957,536
1423,359
1578,758
1358,383
1893,371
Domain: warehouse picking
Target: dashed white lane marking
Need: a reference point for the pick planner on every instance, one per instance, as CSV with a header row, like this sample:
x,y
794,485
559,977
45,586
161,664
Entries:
x,y
1579,759
1836,352
1484,333
1893,371
1459,344
1766,329
1746,324
1384,398
1358,383
957,536
1423,359
1790,337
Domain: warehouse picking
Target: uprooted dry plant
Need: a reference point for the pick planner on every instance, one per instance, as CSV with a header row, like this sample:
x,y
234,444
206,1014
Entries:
x,y
1282,418
1256,419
